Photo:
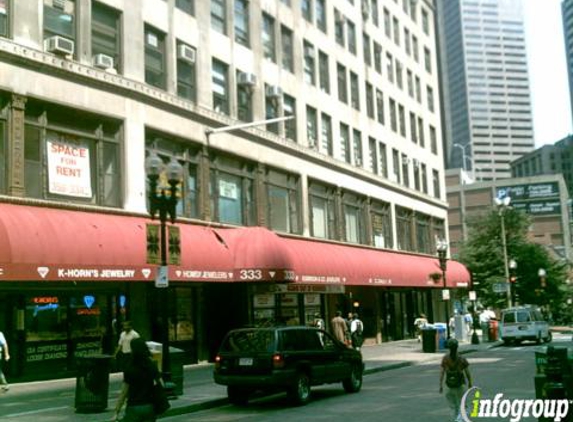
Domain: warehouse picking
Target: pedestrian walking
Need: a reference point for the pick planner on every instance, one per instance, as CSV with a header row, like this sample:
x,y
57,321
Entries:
x,y
139,378
454,370
6,354
356,332
339,327
420,323
318,322
123,350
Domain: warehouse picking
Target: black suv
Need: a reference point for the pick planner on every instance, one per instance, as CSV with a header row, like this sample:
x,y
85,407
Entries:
x,y
284,358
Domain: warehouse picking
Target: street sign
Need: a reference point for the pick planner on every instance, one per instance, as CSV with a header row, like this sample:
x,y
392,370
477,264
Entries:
x,y
152,233
472,295
499,287
174,245
445,294
162,278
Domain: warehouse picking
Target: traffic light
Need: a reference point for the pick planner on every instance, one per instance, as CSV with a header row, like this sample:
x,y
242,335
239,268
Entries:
x,y
513,279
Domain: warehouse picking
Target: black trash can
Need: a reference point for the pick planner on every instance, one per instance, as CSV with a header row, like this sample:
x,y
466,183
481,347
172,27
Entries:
x,y
92,383
177,357
429,340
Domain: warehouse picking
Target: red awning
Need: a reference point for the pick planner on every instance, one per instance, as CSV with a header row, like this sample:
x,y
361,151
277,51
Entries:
x,y
39,243
320,262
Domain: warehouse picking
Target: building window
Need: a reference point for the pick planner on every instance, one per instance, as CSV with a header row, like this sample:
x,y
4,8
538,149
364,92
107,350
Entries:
x,y
354,91
311,127
283,201
326,134
399,74
323,72
387,23
306,9
321,15
415,48
418,90
374,12
289,109
436,183
4,13
404,229
405,161
396,166
345,142
322,211
421,136
396,31
287,54
413,127
309,63
244,101
155,58
268,38
407,42
366,49
372,155
433,140
390,67
220,86
188,156
351,36
188,6
186,72
370,100
231,191
342,83
377,57
59,19
430,97
381,219
106,33
242,22
393,117
353,207
3,146
383,163
380,106
272,105
427,60
425,22
339,20
424,177
410,82
55,134
357,147
424,244
219,16
416,175
402,120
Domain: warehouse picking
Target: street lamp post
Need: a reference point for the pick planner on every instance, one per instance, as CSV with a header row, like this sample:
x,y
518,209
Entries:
x,y
502,205
163,204
442,248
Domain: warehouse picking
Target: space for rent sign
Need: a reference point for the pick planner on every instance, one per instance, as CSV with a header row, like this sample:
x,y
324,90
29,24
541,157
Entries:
x,y
69,169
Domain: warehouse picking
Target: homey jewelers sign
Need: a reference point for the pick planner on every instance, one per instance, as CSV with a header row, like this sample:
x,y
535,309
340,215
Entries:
x,y
69,168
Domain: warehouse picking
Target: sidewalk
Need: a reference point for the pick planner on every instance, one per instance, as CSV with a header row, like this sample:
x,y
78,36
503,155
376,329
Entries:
x,y
53,401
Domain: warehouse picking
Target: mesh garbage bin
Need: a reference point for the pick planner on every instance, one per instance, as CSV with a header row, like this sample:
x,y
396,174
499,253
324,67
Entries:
x,y
92,383
429,340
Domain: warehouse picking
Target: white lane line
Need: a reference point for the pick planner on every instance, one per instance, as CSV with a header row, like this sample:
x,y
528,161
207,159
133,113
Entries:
x,y
33,412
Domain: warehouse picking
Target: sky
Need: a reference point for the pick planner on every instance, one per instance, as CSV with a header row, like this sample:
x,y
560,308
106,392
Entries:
x,y
547,71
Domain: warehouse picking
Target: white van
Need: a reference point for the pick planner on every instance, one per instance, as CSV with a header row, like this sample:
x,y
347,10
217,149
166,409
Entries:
x,y
523,323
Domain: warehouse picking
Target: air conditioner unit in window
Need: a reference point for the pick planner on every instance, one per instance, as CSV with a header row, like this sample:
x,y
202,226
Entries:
x,y
103,61
59,45
358,162
274,91
247,79
59,4
186,53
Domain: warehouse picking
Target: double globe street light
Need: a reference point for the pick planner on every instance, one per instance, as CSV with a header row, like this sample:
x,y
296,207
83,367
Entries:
x,y
442,249
163,202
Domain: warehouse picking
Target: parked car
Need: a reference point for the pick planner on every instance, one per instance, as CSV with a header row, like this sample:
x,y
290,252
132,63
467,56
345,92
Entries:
x,y
290,359
523,323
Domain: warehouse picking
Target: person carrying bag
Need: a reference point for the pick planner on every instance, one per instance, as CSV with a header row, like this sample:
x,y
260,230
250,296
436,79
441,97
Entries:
x,y
142,387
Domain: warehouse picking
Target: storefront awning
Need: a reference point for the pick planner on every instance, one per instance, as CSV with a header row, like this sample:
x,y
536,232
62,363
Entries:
x,y
317,262
39,243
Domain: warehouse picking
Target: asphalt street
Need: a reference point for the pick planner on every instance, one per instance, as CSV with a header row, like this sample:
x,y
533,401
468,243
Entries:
x,y
403,395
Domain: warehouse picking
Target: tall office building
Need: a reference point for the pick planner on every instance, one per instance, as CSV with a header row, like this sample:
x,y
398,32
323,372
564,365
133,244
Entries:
x,y
487,107
567,15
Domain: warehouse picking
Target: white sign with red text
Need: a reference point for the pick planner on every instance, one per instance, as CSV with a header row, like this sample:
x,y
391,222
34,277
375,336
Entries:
x,y
69,169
